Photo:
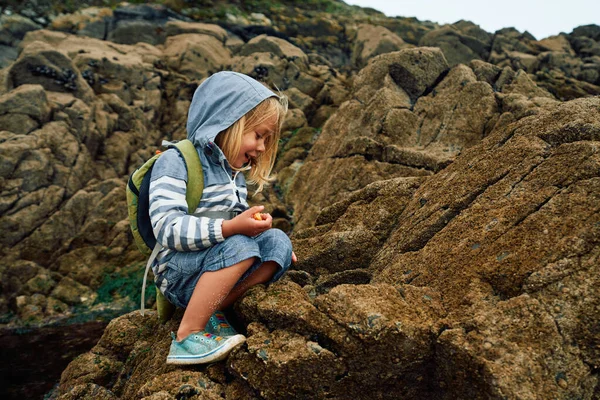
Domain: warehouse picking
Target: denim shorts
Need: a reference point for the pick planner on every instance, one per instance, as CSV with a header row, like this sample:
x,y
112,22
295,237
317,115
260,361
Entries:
x,y
184,269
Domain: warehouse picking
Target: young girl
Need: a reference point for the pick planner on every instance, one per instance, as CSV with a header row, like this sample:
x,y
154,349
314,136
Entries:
x,y
214,255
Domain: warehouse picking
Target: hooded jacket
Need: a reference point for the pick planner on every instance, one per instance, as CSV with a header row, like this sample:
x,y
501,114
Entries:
x,y
217,104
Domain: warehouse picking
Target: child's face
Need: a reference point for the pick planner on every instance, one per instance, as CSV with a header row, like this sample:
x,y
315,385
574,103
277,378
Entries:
x,y
253,143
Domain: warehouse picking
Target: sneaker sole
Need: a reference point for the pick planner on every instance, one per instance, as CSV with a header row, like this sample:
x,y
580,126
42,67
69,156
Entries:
x,y
217,354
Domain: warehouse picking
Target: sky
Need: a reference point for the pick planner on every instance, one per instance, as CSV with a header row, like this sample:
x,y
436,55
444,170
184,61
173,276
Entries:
x,y
538,17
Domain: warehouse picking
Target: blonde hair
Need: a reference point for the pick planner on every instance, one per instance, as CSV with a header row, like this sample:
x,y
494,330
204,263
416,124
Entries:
x,y
230,140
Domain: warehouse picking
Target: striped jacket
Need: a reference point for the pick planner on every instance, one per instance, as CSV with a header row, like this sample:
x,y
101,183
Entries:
x,y
176,229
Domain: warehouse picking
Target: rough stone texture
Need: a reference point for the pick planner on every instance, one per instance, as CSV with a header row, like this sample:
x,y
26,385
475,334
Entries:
x,y
371,41
483,291
195,55
69,139
174,28
461,42
409,116
349,236
90,22
445,202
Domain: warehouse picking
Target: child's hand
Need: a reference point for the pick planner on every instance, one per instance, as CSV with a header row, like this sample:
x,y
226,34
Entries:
x,y
247,224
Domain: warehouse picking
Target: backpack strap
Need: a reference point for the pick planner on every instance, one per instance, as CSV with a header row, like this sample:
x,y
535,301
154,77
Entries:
x,y
195,183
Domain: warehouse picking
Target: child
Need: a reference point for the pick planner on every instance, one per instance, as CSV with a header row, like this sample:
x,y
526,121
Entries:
x,y
211,258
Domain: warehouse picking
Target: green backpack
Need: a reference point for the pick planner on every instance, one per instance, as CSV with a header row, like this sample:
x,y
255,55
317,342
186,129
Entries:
x,y
138,207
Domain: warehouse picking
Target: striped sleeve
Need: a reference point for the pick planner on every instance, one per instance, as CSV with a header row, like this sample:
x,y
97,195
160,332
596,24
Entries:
x,y
172,226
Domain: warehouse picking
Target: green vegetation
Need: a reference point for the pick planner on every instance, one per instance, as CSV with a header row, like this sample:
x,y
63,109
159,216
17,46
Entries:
x,y
126,283
195,9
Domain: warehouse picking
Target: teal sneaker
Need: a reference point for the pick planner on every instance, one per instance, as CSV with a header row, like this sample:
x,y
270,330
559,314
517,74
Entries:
x,y
218,325
201,348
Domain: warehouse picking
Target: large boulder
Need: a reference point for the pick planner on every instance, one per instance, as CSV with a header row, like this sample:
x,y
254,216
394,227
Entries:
x,y
409,116
196,55
286,67
509,230
461,42
371,41
41,64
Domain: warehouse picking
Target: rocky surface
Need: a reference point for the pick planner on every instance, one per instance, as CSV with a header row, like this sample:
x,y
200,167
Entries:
x,y
441,185
485,291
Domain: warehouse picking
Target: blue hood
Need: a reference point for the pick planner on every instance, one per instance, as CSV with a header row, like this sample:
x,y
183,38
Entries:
x,y
219,101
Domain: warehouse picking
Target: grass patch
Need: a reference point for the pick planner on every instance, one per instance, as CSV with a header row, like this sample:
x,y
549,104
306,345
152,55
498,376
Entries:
x,y
126,283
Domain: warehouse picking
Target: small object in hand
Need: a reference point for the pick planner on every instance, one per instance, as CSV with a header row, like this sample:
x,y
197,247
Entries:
x,y
258,217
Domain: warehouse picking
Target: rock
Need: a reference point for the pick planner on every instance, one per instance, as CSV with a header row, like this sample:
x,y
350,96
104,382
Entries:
x,y
299,100
461,42
175,28
354,276
294,119
24,109
485,72
135,23
447,245
413,70
552,359
559,43
279,47
372,41
89,368
41,283
71,292
90,22
195,55
509,46
411,30
89,390
41,64
353,236
355,135
12,30
279,64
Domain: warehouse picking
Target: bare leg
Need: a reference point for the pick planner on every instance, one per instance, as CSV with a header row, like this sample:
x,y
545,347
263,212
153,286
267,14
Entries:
x,y
261,275
210,291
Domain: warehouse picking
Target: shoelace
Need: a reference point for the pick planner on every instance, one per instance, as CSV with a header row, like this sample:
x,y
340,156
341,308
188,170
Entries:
x,y
211,336
222,320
